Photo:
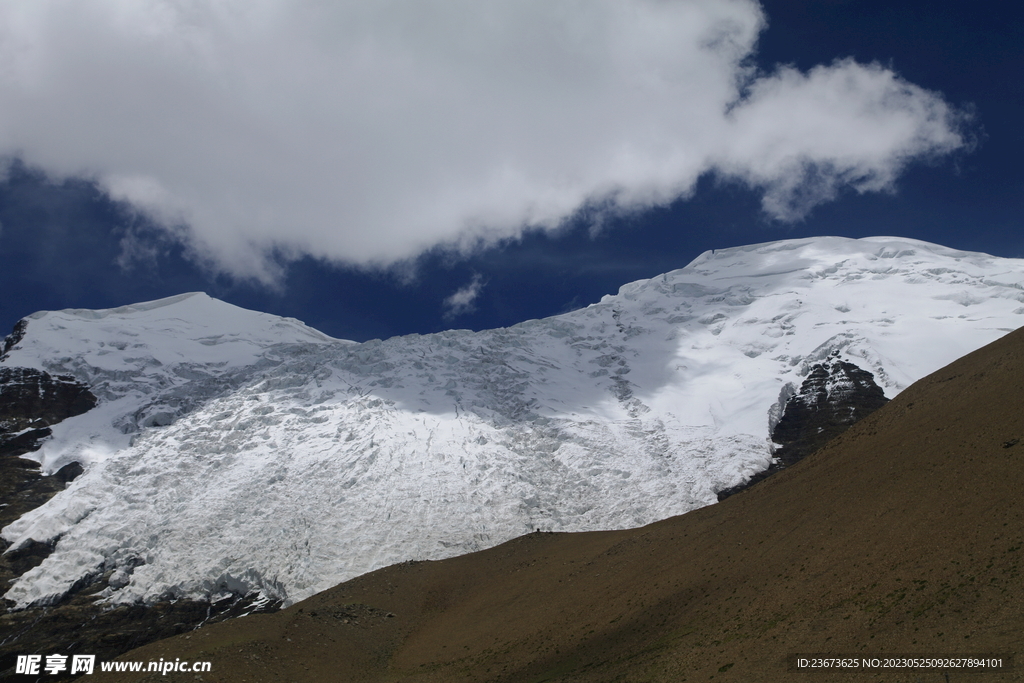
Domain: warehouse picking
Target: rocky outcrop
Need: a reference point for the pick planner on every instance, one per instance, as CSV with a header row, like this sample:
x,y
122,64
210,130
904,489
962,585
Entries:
x,y
835,394
11,340
31,398
31,401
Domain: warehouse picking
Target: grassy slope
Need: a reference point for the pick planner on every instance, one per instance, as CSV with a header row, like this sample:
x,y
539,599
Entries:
x,y
904,535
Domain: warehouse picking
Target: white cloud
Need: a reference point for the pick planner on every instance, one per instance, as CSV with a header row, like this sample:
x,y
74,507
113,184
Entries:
x,y
464,299
803,136
369,131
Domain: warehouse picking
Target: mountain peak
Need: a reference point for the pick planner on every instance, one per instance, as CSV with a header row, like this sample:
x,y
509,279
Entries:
x,y
96,314
316,460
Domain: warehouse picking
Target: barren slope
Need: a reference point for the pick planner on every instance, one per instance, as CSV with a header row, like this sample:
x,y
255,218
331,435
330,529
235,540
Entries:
x,y
904,535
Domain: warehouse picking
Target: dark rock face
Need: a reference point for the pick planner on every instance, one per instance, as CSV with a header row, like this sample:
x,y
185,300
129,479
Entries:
x,y
30,401
11,340
34,398
834,396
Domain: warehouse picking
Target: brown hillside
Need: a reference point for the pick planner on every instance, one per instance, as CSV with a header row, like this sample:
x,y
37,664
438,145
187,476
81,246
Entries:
x,y
904,535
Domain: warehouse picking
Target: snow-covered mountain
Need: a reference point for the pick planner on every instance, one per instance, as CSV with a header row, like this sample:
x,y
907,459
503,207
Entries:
x,y
238,451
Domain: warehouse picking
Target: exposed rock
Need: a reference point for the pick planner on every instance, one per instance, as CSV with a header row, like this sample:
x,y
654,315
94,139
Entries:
x,y
31,398
834,395
30,402
11,340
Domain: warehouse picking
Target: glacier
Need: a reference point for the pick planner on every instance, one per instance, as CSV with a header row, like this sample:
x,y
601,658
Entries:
x,y
235,451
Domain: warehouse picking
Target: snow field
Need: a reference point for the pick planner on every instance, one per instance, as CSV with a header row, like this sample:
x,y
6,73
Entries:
x,y
233,450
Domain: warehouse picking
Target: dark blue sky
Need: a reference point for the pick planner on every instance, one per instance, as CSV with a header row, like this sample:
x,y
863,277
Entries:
x,y
62,243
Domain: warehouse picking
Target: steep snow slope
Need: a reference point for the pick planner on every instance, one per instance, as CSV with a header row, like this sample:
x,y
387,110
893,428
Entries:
x,y
148,362
256,454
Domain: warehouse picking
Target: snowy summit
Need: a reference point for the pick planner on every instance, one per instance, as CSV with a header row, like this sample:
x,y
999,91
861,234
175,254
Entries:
x,y
238,451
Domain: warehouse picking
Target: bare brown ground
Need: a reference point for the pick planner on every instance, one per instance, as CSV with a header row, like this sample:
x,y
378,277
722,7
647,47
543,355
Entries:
x,y
904,535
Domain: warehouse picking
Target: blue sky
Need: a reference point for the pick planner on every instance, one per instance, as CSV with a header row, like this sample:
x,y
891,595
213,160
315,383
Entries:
x,y
96,209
